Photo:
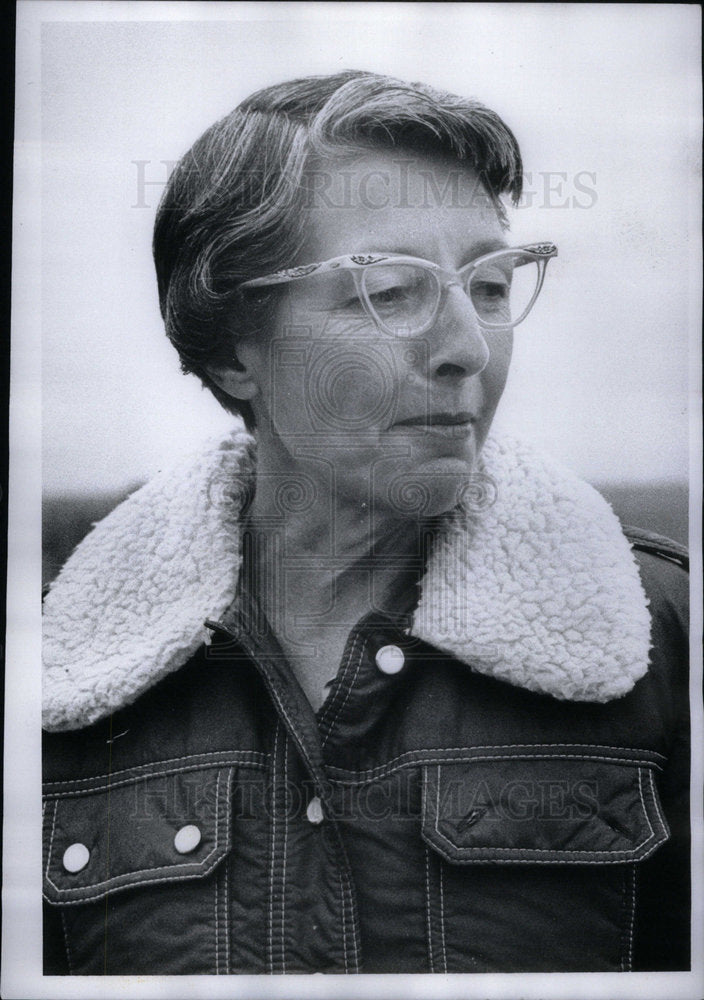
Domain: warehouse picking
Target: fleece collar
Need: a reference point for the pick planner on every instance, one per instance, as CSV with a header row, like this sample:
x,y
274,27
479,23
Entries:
x,y
532,582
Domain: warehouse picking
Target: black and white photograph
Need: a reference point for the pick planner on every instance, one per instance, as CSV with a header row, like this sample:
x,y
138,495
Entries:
x,y
355,474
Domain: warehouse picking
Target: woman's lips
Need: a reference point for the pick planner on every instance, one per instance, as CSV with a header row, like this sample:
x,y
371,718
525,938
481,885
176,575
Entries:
x,y
447,425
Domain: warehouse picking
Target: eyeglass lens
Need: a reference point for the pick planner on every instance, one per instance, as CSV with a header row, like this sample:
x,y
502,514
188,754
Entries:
x,y
404,297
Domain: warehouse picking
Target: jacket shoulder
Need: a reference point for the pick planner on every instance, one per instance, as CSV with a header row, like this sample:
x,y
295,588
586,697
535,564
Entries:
x,y
657,545
664,571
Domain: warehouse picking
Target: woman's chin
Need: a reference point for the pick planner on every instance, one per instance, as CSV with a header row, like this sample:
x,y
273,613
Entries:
x,y
428,490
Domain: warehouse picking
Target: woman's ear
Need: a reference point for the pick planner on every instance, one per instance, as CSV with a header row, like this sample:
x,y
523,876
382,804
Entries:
x,y
236,379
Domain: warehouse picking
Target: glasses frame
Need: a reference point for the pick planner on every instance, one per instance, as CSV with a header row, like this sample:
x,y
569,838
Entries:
x,y
359,264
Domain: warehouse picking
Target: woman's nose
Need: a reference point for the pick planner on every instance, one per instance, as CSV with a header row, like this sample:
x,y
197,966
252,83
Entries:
x,y
458,348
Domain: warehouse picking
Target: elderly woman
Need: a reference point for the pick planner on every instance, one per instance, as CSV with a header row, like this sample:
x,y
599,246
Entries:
x,y
361,688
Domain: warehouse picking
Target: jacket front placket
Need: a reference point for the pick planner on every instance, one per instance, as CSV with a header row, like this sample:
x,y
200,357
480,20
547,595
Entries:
x,y
312,921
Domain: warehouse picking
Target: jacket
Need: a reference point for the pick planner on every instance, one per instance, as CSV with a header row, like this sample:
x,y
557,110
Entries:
x,y
497,781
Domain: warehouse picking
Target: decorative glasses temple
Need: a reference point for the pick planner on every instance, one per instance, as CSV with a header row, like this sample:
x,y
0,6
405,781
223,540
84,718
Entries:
x,y
403,294
352,261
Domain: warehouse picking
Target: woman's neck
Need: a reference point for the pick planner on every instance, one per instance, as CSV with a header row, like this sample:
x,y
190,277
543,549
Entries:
x,y
321,558
328,552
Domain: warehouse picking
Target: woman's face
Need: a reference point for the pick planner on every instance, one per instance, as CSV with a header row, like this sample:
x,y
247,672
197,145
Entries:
x,y
395,422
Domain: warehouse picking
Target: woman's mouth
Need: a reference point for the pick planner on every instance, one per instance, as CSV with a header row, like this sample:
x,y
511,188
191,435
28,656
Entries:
x,y
447,425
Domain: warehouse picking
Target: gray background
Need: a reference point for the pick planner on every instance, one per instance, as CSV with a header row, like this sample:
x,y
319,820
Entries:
x,y
604,105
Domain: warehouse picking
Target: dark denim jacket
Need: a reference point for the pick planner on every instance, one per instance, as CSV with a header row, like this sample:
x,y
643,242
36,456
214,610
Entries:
x,y
427,820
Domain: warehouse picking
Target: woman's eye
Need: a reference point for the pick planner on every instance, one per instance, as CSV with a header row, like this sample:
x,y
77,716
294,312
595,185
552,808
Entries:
x,y
388,296
491,291
351,303
496,290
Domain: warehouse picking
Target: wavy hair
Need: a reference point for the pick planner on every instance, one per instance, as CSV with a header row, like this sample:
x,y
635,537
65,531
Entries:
x,y
235,205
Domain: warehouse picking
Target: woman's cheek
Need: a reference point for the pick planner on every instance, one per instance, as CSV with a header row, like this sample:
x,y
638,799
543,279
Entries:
x,y
341,371
351,385
501,350
493,380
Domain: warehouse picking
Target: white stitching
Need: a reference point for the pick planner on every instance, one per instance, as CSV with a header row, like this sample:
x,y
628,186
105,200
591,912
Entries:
x,y
217,931
225,866
542,850
119,881
442,920
258,765
68,950
228,803
629,964
61,796
228,825
642,801
627,959
299,743
344,918
285,852
535,861
271,688
328,709
329,703
428,910
273,846
226,758
623,951
355,941
384,770
227,916
225,870
139,871
665,827
350,900
535,746
529,851
347,901
353,652
100,895
526,852
150,881
339,853
437,803
51,841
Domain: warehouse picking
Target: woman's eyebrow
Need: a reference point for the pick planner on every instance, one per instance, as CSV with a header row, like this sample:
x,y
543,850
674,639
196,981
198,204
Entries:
x,y
477,249
481,247
399,251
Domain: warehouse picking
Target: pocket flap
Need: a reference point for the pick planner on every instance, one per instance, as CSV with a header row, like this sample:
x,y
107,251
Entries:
x,y
157,828
550,811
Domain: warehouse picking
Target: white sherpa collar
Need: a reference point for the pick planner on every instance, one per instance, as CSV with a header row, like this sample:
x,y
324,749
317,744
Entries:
x,y
539,589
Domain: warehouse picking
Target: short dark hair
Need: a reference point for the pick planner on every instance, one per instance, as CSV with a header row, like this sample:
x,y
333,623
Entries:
x,y
234,207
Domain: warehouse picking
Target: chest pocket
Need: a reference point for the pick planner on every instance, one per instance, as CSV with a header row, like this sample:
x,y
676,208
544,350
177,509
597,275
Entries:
x,y
117,855
500,832
542,810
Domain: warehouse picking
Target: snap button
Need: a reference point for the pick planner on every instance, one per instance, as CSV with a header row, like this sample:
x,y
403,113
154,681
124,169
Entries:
x,y
314,812
76,857
390,659
187,839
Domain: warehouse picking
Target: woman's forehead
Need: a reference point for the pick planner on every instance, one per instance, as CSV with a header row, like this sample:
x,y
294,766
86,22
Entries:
x,y
399,201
